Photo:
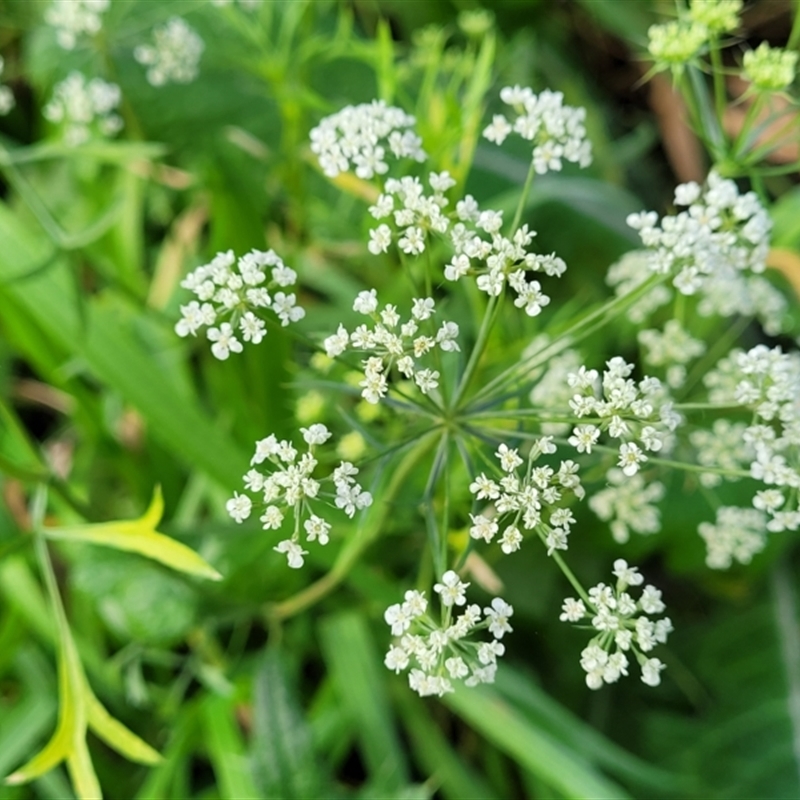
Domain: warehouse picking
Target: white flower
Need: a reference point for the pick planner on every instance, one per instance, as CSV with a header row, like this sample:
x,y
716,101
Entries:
x,y
451,589
294,553
651,671
72,18
498,615
316,434
366,302
174,55
239,507
225,342
572,610
83,107
498,130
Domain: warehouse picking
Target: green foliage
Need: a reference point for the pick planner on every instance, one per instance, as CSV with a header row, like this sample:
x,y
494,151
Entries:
x,y
200,664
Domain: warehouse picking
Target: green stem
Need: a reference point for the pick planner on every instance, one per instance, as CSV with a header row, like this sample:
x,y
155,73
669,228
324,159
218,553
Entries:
x,y
355,547
572,335
523,199
720,95
477,351
568,574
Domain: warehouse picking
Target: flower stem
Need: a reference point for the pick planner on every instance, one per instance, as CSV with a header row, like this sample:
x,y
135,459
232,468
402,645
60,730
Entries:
x,y
355,547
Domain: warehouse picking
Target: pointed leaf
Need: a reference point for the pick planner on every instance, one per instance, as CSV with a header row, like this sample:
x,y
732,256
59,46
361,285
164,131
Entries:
x,y
139,536
115,734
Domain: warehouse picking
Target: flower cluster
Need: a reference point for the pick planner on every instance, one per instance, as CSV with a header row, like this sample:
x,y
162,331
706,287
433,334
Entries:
x,y
621,626
671,348
358,136
675,44
174,55
393,344
717,16
239,291
737,535
627,274
770,69
625,503
82,107
626,410
766,381
557,131
495,261
440,652
6,95
72,18
290,487
529,501
713,246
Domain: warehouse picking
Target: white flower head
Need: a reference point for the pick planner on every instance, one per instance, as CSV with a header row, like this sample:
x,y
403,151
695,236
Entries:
x,y
174,55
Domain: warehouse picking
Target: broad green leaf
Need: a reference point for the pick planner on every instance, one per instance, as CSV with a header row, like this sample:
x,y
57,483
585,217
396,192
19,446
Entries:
x,y
355,667
140,536
109,343
226,750
556,765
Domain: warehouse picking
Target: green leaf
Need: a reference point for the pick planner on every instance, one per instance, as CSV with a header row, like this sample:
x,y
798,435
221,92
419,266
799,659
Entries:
x,y
281,751
353,661
140,536
115,734
531,747
226,750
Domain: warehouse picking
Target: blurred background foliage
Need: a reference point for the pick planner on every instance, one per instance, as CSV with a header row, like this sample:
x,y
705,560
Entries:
x,y
99,399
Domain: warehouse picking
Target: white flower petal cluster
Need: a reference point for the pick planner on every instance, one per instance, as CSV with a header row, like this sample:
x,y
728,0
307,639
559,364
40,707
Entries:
x,y
626,503
6,95
393,344
640,415
767,382
671,348
286,484
362,136
714,247
622,626
411,217
413,213
239,290
737,535
84,107
73,18
529,501
557,131
174,55
725,447
627,274
440,652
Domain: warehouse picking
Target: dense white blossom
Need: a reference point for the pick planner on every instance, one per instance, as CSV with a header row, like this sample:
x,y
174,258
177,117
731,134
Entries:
x,y
438,652
174,55
391,344
623,628
285,480
82,106
531,500
362,137
638,414
625,502
73,18
557,131
238,290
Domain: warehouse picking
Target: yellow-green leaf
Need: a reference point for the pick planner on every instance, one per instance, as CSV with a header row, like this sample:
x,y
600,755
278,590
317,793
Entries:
x,y
115,734
140,536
